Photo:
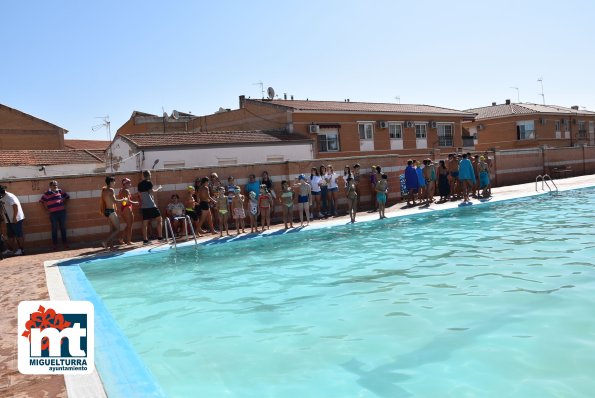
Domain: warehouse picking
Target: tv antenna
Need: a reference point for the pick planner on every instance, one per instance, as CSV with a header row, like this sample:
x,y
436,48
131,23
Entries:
x,y
107,125
261,84
271,93
518,98
540,80
398,98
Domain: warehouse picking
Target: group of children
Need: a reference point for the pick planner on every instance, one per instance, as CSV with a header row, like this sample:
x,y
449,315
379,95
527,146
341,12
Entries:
x,y
458,177
210,202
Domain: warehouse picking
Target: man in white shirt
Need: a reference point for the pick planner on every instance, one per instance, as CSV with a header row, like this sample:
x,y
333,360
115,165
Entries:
x,y
12,213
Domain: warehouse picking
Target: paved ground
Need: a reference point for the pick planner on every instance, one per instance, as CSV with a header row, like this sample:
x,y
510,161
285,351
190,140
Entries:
x,y
23,278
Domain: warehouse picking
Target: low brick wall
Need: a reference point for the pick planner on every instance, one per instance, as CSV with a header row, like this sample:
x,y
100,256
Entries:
x,y
85,224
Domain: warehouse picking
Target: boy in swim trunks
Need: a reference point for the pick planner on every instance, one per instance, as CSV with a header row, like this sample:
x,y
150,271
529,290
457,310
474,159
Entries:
x,y
108,208
223,210
237,207
381,189
286,200
265,201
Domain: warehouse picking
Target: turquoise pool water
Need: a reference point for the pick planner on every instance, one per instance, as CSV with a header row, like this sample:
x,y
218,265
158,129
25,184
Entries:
x,y
482,301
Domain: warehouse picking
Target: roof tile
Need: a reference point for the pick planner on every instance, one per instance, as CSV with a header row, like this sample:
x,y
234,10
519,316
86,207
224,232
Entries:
x,y
210,138
46,157
341,106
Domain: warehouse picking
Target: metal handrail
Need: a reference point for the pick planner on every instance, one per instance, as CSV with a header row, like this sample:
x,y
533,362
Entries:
x,y
544,182
550,178
168,228
187,219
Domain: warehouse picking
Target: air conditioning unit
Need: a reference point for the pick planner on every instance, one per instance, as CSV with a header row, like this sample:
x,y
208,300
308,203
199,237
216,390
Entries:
x,y
382,124
314,129
432,124
480,127
409,124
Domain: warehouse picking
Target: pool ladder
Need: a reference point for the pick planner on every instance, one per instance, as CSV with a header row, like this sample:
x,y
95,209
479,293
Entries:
x,y
169,230
544,179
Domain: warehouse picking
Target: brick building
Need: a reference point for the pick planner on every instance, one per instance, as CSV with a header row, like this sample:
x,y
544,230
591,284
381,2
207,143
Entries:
x,y
19,130
344,128
141,123
526,125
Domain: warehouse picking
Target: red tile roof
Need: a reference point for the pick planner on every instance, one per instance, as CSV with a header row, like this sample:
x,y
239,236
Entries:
x,y
46,157
503,110
86,144
211,138
354,107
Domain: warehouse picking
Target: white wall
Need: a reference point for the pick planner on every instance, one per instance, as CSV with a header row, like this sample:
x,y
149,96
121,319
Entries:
x,y
55,170
212,156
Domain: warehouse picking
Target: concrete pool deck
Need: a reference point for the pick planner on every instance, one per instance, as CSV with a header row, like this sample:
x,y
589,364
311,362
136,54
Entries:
x,y
23,278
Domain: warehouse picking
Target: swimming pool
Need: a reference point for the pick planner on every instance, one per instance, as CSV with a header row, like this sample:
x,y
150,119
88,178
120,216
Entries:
x,y
483,301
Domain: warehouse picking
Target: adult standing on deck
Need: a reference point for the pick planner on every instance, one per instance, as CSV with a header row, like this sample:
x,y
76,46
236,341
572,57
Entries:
x,y
411,182
54,200
148,206
12,211
466,177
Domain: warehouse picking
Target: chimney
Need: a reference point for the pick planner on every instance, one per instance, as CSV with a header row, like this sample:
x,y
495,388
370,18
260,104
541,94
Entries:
x,y
574,107
493,104
507,102
284,96
292,97
242,101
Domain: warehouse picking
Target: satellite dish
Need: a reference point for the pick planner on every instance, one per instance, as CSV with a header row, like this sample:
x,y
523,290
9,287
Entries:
x,y
271,92
175,114
165,115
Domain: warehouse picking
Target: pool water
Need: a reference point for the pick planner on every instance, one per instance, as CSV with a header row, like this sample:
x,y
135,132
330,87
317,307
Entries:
x,y
482,301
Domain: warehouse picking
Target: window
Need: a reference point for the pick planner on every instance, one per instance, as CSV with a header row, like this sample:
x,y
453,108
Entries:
x,y
525,130
566,124
328,141
445,134
420,131
275,158
366,131
227,161
558,125
582,130
395,131
175,164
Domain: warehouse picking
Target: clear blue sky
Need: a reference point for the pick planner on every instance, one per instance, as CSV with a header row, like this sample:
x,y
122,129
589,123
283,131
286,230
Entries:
x,y
68,62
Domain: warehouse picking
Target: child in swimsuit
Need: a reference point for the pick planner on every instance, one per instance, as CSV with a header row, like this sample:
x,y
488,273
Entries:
x,y
264,204
190,205
352,195
221,200
304,199
253,213
237,206
381,189
286,200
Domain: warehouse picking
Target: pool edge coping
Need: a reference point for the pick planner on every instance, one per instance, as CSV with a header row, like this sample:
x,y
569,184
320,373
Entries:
x,y
83,386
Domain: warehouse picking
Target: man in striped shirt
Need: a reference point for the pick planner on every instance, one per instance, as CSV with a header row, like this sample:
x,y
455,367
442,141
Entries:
x,y
54,200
